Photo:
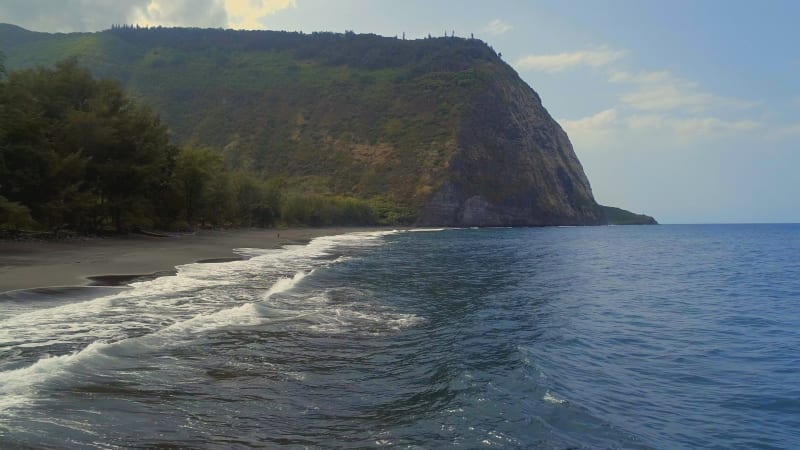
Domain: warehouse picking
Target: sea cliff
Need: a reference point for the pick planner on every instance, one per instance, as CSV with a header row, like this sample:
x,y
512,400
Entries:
x,y
441,130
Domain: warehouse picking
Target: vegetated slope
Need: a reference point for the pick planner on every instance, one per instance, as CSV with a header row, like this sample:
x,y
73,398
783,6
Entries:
x,y
619,216
442,126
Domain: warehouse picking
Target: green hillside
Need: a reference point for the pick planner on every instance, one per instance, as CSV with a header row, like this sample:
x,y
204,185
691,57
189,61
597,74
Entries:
x,y
437,131
619,216
332,113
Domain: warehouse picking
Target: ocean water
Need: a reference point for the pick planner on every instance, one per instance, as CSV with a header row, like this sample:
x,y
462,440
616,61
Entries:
x,y
599,337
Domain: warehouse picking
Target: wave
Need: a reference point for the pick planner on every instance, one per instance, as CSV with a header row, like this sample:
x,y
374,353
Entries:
x,y
242,315
337,310
550,398
156,309
284,284
165,298
18,386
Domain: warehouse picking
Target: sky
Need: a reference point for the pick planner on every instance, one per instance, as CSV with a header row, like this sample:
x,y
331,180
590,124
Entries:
x,y
685,110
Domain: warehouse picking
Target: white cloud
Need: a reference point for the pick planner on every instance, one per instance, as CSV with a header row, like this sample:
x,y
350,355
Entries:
x,y
177,13
647,122
597,130
709,127
68,15
640,77
240,14
685,128
668,96
663,91
601,119
93,15
497,27
247,14
599,57
789,131
613,128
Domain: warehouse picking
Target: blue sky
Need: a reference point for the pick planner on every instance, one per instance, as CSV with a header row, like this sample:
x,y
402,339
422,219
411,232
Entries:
x,y
685,110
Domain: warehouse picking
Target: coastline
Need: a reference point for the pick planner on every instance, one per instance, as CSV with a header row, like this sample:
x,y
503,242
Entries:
x,y
118,260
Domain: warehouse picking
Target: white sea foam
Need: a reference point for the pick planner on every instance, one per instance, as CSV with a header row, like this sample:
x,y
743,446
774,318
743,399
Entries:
x,y
250,252
550,398
242,315
357,315
199,298
18,386
284,284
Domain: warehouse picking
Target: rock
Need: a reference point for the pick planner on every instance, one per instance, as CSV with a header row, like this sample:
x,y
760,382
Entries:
x,y
513,166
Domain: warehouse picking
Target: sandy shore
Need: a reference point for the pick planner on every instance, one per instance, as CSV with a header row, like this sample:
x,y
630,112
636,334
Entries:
x,y
108,261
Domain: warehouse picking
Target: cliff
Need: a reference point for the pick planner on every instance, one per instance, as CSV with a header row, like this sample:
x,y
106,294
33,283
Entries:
x,y
513,165
440,127
619,216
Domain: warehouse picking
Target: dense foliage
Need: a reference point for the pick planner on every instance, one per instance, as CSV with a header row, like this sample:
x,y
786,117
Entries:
x,y
77,153
331,114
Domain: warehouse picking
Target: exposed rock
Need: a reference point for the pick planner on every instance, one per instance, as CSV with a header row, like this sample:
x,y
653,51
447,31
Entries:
x,y
514,166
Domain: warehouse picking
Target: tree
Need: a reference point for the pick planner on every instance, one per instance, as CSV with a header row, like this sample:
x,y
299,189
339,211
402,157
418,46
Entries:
x,y
14,216
195,169
257,201
77,152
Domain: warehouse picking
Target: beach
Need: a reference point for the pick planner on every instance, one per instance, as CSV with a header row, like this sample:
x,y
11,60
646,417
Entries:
x,y
113,261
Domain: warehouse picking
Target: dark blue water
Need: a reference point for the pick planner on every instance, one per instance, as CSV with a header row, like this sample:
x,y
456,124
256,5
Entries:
x,y
601,337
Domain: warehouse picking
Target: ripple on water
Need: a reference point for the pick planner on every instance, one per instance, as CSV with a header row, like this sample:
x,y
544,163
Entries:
x,y
617,337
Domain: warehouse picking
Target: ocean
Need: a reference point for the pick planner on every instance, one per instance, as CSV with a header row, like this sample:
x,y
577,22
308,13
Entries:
x,y
670,336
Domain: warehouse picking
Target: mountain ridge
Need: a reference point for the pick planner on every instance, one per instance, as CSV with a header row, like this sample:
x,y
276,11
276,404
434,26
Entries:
x,y
441,126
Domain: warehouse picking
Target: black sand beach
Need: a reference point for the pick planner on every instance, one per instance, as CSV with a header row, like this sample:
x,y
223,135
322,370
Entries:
x,y
115,261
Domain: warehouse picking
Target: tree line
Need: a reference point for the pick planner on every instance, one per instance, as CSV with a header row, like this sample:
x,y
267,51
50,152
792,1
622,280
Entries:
x,y
77,153
363,51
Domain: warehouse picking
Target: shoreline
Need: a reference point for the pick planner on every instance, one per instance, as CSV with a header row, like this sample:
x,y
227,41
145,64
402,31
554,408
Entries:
x,y
118,261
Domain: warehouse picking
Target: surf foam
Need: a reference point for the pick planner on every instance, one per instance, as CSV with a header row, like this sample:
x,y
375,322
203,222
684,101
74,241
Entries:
x,y
154,308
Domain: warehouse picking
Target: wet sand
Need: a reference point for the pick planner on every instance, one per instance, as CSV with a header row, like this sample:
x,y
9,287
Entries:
x,y
116,261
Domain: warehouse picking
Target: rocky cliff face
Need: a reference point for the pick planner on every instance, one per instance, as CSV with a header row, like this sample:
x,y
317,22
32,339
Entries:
x,y
514,166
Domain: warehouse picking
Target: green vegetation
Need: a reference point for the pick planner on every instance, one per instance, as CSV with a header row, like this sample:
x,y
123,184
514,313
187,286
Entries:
x,y
76,153
331,115
618,216
267,128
